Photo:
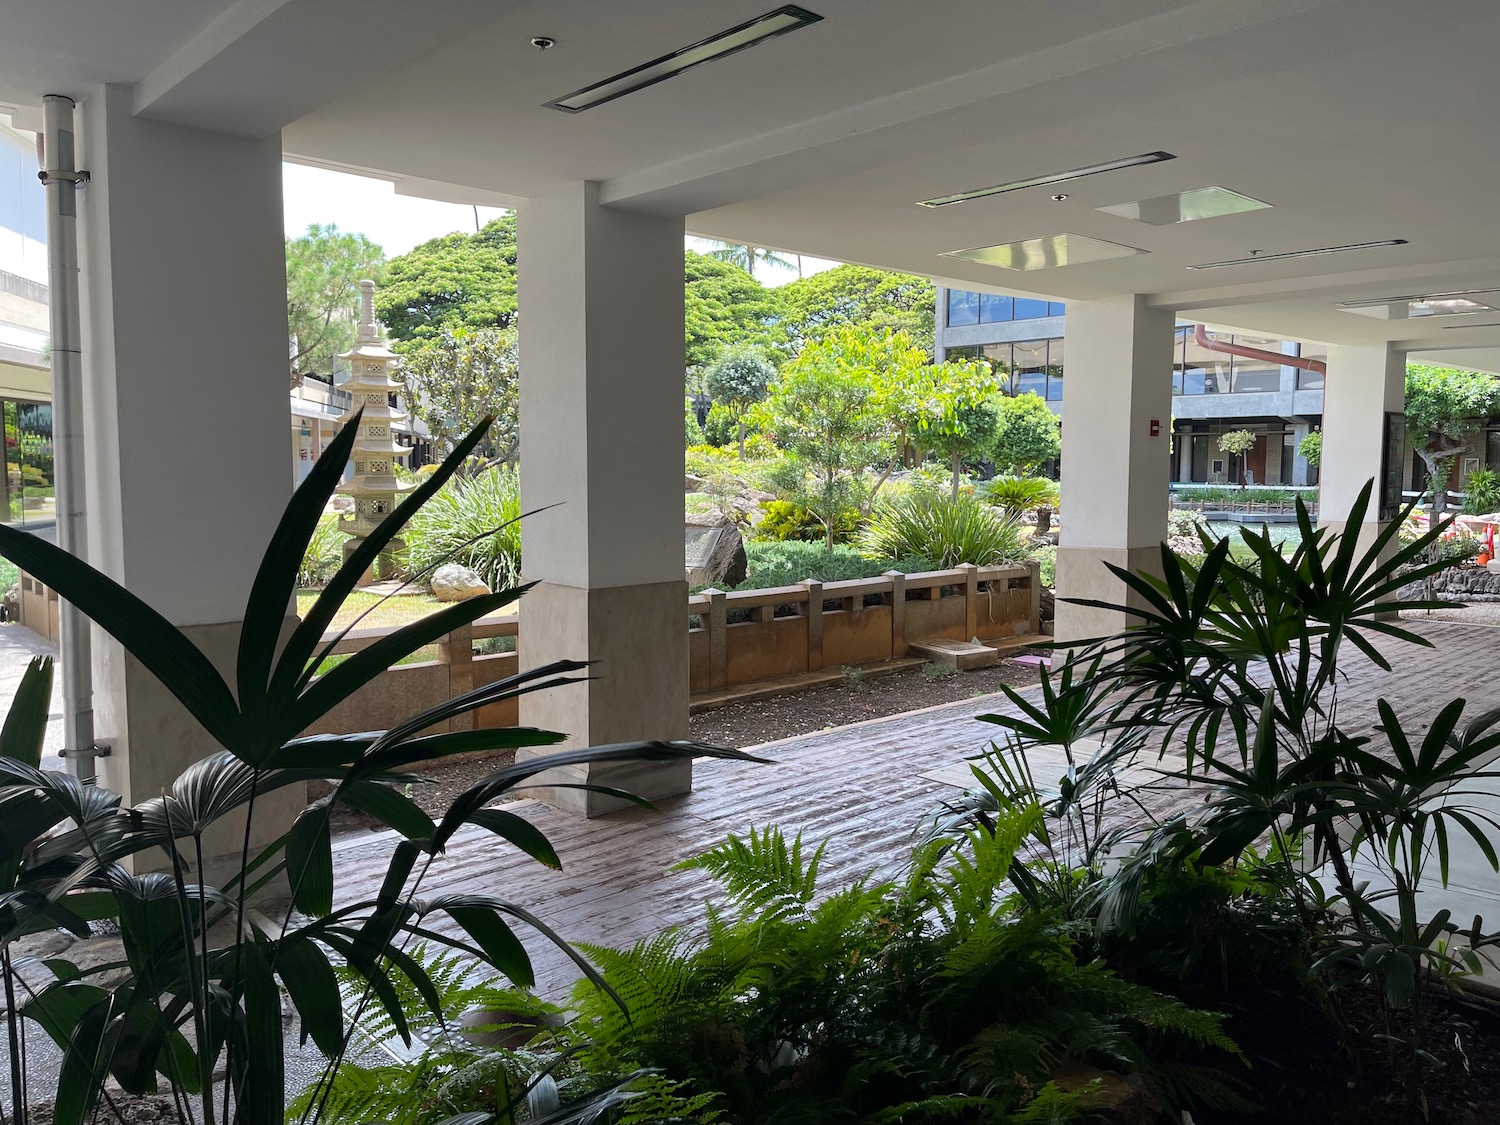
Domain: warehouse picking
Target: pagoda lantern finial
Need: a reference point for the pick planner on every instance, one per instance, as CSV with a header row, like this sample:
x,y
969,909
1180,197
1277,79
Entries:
x,y
373,487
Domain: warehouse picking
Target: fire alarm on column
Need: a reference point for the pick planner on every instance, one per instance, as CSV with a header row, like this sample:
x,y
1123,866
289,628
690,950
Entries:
x,y
1156,427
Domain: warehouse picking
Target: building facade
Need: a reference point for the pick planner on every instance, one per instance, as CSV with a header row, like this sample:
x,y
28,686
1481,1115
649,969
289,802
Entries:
x,y
1212,392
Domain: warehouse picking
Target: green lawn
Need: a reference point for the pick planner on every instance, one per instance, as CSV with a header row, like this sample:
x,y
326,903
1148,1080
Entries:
x,y
399,610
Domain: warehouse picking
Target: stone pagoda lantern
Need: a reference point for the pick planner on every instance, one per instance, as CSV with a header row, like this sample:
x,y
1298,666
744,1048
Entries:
x,y
373,487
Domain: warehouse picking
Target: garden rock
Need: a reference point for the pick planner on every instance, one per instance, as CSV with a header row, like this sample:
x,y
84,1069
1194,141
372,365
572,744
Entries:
x,y
454,583
726,565
692,483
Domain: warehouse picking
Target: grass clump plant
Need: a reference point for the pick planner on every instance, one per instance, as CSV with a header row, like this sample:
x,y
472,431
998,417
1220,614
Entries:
x,y
475,522
946,529
324,554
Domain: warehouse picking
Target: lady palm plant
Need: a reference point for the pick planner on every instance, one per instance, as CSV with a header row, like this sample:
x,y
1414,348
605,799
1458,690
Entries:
x,y
197,1000
1237,666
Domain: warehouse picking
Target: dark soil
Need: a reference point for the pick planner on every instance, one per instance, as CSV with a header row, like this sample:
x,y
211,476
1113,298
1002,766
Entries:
x,y
870,697
1304,1071
748,724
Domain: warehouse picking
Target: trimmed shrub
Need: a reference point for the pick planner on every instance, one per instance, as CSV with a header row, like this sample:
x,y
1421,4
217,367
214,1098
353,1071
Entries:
x,y
786,564
720,427
946,529
474,522
783,520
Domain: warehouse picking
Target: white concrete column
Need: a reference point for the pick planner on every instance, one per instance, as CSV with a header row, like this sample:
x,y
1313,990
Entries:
x,y
1114,468
185,401
1364,383
601,298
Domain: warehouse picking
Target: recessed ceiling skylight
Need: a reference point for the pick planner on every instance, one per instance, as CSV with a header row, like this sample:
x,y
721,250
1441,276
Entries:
x,y
758,30
1254,258
1049,178
1046,252
1185,206
1459,302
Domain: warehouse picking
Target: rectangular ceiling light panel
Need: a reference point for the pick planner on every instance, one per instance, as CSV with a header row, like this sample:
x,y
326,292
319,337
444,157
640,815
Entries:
x,y
1459,302
1046,252
1050,178
1254,258
1185,206
758,30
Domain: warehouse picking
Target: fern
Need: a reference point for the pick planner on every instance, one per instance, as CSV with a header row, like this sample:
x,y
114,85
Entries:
x,y
764,874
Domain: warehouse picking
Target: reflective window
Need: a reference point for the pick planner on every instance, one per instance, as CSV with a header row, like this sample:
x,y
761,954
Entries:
x,y
1030,369
1056,308
28,498
1054,370
994,309
963,307
1028,309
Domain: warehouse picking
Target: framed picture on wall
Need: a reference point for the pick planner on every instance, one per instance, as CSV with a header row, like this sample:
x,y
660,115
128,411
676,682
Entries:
x,y
1471,464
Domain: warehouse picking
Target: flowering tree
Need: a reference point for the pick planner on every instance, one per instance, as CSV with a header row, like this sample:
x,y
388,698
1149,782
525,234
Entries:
x,y
1237,443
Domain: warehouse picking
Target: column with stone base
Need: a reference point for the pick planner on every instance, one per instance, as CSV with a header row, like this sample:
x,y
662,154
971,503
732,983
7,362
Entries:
x,y
601,291
1364,384
1116,437
185,410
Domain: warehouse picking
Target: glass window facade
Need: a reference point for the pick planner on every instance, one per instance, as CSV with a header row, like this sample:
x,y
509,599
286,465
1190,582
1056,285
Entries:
x,y
1028,367
1197,458
965,307
28,499
1197,370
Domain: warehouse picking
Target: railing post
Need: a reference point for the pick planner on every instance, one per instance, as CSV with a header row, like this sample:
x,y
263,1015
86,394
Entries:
x,y
717,623
814,613
971,599
898,613
457,651
1034,581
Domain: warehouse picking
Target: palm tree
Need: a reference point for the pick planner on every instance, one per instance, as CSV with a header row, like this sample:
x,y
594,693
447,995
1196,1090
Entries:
x,y
746,256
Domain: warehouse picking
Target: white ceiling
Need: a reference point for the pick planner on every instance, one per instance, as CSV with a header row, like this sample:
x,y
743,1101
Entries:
x,y
1356,119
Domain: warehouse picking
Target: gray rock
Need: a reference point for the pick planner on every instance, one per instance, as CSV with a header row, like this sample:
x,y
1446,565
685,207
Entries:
x,y
454,583
692,483
726,564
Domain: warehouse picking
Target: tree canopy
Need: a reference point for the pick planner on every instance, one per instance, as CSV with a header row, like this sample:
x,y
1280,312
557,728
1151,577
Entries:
x,y
455,379
323,270
1027,434
723,307
950,409
458,279
1445,406
847,295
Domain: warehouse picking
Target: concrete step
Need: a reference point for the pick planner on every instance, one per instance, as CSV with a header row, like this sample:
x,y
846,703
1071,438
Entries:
x,y
962,655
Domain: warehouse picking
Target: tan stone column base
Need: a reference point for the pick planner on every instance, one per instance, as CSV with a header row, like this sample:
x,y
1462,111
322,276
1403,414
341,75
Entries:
x,y
637,638
1081,573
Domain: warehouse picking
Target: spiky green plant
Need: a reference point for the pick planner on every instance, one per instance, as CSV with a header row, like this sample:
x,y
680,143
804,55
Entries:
x,y
475,522
946,529
325,551
1017,495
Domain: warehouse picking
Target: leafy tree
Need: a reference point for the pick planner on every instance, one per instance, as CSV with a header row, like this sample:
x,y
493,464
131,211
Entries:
x,y
745,256
458,279
1237,443
724,307
739,379
825,411
1026,434
856,296
454,381
323,270
1445,406
949,409
1310,448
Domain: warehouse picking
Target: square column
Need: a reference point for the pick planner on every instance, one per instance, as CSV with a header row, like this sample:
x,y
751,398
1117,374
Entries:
x,y
185,409
1115,470
601,295
1365,382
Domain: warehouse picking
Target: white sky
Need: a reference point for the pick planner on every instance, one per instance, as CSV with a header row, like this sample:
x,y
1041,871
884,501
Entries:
x,y
398,222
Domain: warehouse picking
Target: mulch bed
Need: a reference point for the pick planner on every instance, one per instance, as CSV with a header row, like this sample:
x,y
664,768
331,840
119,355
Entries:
x,y
748,724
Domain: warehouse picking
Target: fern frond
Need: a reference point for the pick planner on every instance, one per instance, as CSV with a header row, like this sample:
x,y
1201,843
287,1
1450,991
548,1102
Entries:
x,y
762,874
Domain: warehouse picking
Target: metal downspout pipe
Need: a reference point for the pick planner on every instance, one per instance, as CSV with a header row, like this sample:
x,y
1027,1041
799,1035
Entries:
x,y
1201,338
62,179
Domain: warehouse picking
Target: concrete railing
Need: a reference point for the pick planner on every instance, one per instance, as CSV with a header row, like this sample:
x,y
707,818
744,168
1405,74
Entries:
x,y
740,638
734,638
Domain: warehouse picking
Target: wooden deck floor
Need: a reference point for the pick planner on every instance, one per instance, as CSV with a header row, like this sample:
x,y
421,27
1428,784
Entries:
x,y
860,787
